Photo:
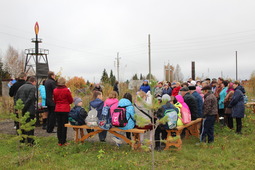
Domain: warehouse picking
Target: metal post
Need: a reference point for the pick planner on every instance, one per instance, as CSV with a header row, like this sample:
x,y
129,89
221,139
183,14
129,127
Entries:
x,y
36,61
236,67
193,76
169,72
118,67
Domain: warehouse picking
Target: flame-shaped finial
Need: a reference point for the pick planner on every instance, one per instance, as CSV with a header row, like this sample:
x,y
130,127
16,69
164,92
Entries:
x,y
36,28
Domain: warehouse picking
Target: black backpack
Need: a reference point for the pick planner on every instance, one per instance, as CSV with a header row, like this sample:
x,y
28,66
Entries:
x,y
75,118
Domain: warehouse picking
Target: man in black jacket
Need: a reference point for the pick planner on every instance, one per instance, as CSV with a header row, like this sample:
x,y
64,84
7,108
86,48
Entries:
x,y
50,85
27,94
190,101
13,90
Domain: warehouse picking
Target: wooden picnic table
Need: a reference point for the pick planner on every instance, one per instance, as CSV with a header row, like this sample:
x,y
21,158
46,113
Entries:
x,y
251,105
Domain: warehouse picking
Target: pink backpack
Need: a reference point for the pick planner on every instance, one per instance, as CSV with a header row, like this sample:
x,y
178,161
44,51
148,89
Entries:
x,y
186,115
119,118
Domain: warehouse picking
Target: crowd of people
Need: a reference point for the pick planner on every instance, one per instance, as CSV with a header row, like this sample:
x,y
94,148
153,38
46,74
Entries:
x,y
212,100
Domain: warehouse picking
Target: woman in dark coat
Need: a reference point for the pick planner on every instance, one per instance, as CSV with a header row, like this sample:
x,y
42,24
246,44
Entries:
x,y
237,105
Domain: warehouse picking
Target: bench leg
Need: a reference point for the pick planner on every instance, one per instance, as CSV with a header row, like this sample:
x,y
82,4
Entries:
x,y
193,131
81,133
176,143
137,141
76,135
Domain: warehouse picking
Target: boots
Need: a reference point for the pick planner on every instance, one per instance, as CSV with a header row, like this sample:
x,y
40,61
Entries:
x,y
222,122
44,124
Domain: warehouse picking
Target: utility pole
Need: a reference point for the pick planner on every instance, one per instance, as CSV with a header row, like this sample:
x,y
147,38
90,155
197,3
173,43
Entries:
x,y
236,67
118,66
149,45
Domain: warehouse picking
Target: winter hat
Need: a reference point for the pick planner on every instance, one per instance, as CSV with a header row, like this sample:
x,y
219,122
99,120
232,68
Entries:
x,y
184,89
193,83
206,88
192,87
166,97
77,100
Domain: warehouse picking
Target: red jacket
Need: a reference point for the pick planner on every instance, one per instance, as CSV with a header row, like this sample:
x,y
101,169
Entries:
x,y
176,90
62,98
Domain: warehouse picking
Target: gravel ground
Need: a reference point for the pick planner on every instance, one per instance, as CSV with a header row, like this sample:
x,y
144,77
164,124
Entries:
x,y
7,127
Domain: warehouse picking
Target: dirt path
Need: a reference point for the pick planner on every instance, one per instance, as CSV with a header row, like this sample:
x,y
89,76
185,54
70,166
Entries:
x,y
7,127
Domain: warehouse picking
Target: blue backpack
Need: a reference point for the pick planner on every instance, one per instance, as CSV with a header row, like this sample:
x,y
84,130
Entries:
x,y
105,121
74,116
172,116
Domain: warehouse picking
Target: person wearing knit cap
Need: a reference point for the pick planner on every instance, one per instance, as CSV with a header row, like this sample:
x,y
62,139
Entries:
x,y
193,83
159,89
145,86
221,106
166,98
78,114
161,128
199,100
167,89
77,100
176,89
237,105
228,111
209,111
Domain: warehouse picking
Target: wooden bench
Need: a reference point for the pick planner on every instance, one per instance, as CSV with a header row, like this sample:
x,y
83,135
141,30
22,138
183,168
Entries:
x,y
251,105
174,135
135,143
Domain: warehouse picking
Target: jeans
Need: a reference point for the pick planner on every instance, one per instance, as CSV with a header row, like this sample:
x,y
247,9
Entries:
x,y
208,129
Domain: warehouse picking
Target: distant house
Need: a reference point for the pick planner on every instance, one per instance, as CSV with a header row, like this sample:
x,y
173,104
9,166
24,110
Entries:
x,y
135,84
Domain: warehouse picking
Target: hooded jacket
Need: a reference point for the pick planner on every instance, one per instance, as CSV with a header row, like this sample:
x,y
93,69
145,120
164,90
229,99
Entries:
x,y
237,103
98,105
145,88
14,88
222,96
130,113
192,103
199,103
161,113
42,94
180,99
179,106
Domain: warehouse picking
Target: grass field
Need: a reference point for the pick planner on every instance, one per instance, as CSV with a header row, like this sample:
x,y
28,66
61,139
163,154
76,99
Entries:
x,y
229,151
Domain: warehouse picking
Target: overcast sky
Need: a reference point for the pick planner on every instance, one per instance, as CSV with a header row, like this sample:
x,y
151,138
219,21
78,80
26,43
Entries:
x,y
84,36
